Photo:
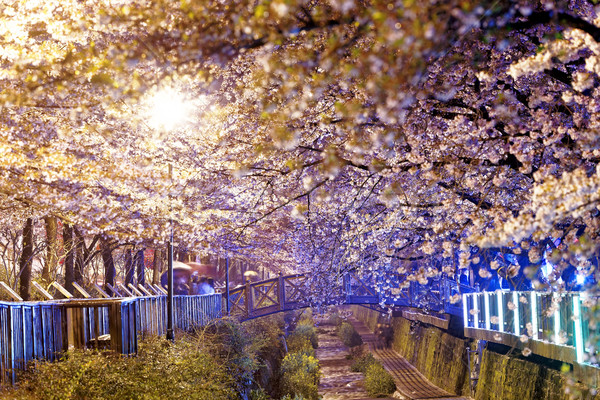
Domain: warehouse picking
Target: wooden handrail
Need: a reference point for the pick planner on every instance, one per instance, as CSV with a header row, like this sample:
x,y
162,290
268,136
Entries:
x,y
43,291
11,292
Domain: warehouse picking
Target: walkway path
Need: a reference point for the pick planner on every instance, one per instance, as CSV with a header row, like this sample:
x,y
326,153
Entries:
x,y
337,381
411,384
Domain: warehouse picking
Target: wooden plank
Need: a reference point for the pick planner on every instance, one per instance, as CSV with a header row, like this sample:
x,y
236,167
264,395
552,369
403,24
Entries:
x,y
43,291
81,290
144,290
114,290
11,345
160,289
134,290
124,290
102,292
10,292
61,289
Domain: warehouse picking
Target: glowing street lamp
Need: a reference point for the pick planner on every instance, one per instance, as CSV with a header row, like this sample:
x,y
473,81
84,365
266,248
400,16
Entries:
x,y
168,110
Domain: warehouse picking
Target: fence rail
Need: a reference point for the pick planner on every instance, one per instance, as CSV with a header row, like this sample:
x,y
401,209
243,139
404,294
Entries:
x,y
257,299
554,325
45,330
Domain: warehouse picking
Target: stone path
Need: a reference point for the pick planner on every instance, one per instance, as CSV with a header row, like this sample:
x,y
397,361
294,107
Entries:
x,y
410,383
337,381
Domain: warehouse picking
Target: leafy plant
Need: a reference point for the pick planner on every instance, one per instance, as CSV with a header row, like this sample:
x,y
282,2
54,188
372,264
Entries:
x,y
348,335
363,362
378,382
300,375
161,370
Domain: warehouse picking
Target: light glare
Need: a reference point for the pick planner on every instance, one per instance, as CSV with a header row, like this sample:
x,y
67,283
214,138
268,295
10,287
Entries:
x,y
168,109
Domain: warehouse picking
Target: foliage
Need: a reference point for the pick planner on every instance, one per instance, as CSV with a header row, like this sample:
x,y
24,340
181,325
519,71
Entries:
x,y
307,146
294,397
307,331
378,382
362,363
300,375
348,335
335,319
162,370
240,345
300,344
258,394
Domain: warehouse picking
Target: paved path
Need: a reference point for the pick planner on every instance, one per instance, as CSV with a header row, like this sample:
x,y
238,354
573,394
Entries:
x,y
337,381
411,384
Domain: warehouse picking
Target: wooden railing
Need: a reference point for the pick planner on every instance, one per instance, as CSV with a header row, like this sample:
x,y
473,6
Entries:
x,y
45,330
257,299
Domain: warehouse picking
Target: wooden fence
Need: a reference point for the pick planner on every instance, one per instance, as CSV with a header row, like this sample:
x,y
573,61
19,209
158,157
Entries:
x,y
45,330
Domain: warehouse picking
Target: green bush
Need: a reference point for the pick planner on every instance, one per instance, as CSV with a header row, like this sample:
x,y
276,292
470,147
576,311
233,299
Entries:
x,y
348,335
363,362
300,344
378,382
335,319
259,394
300,376
308,331
295,397
161,370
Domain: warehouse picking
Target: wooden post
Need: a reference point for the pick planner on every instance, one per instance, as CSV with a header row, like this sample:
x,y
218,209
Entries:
x,y
249,299
281,292
228,305
78,327
116,327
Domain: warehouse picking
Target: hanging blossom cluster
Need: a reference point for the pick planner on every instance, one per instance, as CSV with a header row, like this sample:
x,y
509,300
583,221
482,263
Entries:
x,y
325,137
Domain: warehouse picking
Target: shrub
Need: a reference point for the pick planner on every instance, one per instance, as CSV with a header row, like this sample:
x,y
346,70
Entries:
x,y
290,397
348,335
161,370
305,331
378,382
363,362
300,344
300,375
259,394
335,319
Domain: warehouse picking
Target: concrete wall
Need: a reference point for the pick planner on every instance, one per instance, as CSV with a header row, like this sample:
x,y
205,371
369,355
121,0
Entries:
x,y
442,358
503,377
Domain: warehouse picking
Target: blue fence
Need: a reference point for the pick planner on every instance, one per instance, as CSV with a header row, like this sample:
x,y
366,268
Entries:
x,y
45,330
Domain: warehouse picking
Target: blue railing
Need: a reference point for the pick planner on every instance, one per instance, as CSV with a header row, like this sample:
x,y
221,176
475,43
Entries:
x,y
538,320
47,329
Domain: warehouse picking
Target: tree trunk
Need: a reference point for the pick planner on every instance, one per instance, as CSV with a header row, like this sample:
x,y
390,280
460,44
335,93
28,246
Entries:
x,y
157,266
80,251
109,265
140,267
128,267
51,258
67,233
26,260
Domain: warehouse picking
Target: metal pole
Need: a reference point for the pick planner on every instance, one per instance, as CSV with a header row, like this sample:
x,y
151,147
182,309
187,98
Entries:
x,y
170,333
227,282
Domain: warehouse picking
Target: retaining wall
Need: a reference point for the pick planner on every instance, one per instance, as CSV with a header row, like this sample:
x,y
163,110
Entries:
x,y
442,358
